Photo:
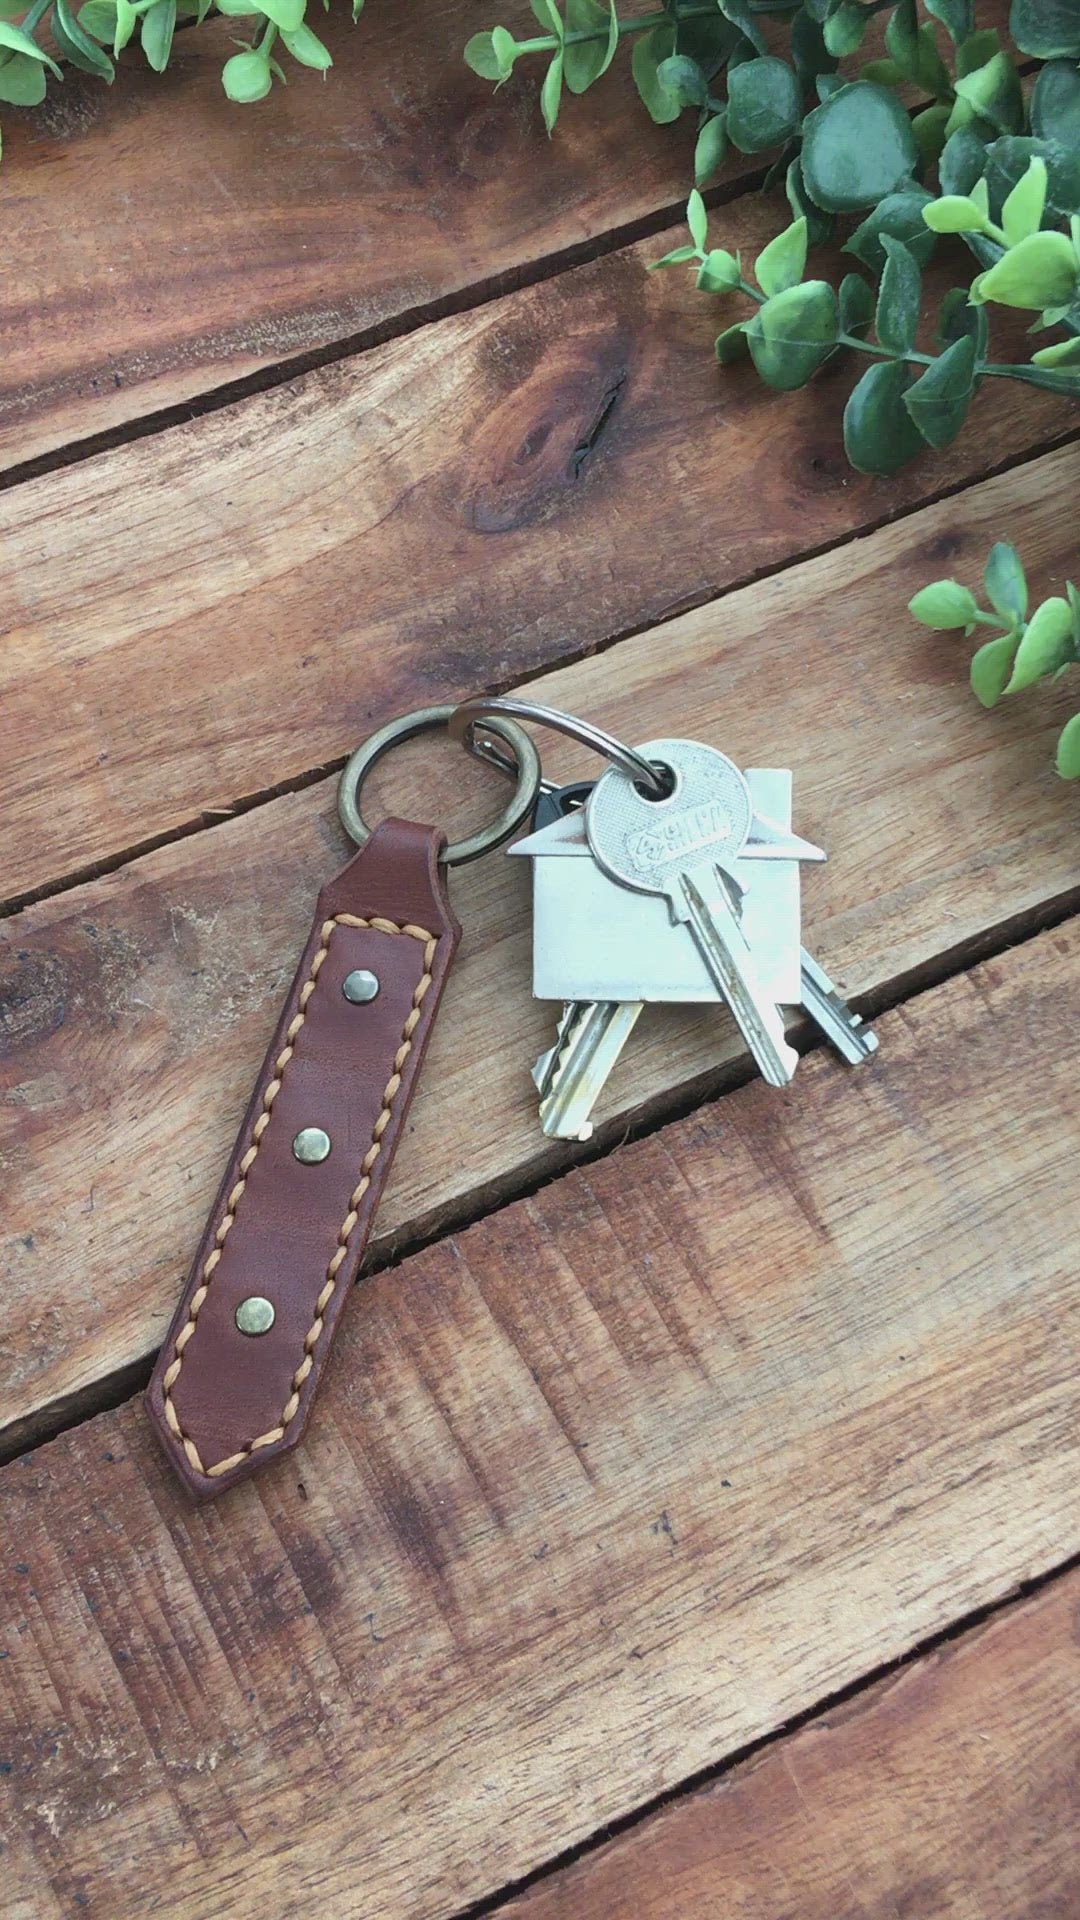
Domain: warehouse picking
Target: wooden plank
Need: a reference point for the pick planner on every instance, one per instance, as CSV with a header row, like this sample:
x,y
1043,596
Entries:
x,y
242,597
210,241
950,1790
610,1486
139,1005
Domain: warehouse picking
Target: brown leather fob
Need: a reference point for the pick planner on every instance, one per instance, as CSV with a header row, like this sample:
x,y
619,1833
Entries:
x,y
287,1233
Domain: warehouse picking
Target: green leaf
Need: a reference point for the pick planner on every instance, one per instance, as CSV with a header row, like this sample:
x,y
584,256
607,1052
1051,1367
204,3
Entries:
x,y
939,400
305,46
1063,353
958,319
856,305
1046,645
977,50
1041,271
930,128
650,50
719,272
1023,210
809,51
482,58
710,149
819,226
246,77
76,45
22,81
20,42
678,257
1049,29
551,93
156,33
763,104
991,667
954,213
1007,161
993,93
585,60
791,334
1055,105
549,17
684,78
742,15
127,19
1068,749
879,433
286,14
914,53
899,298
899,215
782,263
1006,584
963,161
944,604
732,345
697,219
98,19
956,16
845,28
857,147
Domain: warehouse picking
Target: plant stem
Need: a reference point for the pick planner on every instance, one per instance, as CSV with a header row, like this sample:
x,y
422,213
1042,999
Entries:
x,y
639,23
37,12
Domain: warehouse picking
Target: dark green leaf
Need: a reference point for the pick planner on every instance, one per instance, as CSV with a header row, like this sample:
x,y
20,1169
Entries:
x,y
930,128
742,15
1006,584
1008,160
585,60
732,345
156,33
899,215
710,149
76,45
793,333
22,81
763,104
963,161
879,433
991,667
819,226
939,400
956,16
976,50
857,147
993,93
1068,749
649,52
899,297
845,28
1055,105
856,305
1049,29
809,50
1046,645
960,319
685,79
710,40
913,49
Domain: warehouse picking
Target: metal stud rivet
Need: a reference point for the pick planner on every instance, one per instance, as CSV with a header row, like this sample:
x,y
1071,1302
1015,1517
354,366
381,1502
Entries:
x,y
360,986
311,1145
255,1314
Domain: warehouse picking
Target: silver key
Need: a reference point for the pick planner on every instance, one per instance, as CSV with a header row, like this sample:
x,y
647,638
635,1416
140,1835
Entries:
x,y
571,1074
675,847
853,1041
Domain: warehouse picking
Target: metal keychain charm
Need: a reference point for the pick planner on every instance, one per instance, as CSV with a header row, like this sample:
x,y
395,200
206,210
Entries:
x,y
236,1377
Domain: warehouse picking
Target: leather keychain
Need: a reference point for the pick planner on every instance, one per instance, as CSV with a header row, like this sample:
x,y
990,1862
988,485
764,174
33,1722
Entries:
x,y
235,1380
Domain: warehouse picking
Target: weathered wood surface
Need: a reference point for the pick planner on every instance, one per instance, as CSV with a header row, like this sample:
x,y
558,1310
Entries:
x,y
240,599
950,1792
599,1492
175,241
138,1006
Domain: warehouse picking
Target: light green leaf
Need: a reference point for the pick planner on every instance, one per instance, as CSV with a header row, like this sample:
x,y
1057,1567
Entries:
x,y
1041,271
676,258
993,93
551,93
306,47
899,298
710,149
991,667
697,219
1049,29
480,56
944,604
793,333
977,50
857,147
20,42
1006,584
1063,353
156,33
954,213
763,104
720,272
549,17
286,14
879,434
585,60
1046,645
22,81
939,400
781,264
650,51
1068,749
1023,210
246,77
98,19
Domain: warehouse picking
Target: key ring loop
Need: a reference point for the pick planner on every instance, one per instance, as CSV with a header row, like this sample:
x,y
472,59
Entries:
x,y
465,717
525,767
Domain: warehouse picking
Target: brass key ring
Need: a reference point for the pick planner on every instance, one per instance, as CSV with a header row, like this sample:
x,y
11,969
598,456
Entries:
x,y
525,767
488,711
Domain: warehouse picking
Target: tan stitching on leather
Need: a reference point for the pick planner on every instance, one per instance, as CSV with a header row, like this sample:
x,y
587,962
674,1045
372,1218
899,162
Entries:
x,y
348,1225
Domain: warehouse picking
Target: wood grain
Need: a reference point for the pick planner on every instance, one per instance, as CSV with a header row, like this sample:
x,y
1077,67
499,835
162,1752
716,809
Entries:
x,y
241,598
613,1484
176,241
137,1008
949,1791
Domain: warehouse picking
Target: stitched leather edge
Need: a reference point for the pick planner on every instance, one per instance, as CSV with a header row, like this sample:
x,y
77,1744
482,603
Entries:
x,y
348,1225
